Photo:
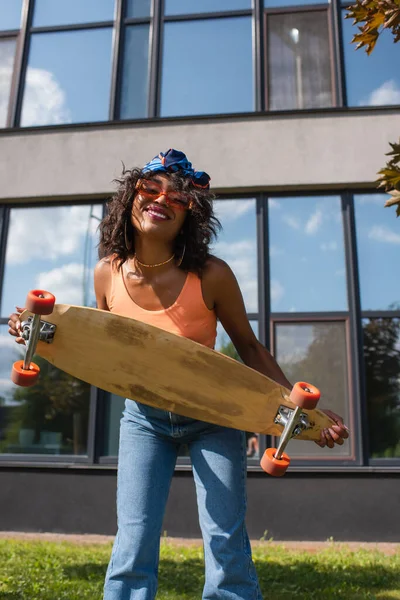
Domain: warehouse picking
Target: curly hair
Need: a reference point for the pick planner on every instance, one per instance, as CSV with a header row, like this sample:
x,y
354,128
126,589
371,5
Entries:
x,y
199,229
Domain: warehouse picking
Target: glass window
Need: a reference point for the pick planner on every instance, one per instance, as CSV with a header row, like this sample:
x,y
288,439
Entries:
x,y
138,8
378,245
307,260
237,245
200,74
134,89
7,55
181,7
316,352
59,12
299,63
371,80
10,14
278,3
51,248
68,77
49,418
382,371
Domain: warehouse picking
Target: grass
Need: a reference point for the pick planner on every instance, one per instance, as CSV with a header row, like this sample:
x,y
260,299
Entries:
x,y
57,571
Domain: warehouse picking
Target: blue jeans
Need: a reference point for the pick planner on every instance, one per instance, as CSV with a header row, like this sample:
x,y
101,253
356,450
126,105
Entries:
x,y
149,444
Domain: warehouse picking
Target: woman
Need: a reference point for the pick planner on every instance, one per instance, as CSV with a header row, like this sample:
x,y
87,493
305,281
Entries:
x,y
157,269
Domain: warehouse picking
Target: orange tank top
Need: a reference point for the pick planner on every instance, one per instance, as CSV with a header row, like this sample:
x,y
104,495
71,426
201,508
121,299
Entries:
x,y
188,317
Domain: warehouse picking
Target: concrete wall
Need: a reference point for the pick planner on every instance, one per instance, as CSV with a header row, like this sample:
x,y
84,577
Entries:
x,y
350,506
319,150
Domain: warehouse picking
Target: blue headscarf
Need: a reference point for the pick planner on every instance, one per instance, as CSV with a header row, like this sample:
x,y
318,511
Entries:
x,y
173,161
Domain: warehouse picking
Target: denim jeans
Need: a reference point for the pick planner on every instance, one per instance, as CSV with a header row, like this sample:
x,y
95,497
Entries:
x,y
149,444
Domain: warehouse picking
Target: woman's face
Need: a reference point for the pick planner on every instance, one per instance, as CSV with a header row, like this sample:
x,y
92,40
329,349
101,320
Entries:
x,y
158,209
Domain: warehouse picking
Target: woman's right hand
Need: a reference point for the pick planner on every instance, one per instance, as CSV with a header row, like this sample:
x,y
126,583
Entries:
x,y
14,325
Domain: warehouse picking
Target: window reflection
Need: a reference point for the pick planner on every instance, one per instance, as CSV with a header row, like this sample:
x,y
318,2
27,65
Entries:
x,y
371,80
59,12
134,89
52,248
68,77
299,63
50,417
382,371
178,7
7,54
378,240
237,245
10,14
316,352
138,8
199,75
307,262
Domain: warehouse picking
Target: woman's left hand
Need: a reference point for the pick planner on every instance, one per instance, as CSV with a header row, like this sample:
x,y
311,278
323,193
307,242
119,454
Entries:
x,y
336,434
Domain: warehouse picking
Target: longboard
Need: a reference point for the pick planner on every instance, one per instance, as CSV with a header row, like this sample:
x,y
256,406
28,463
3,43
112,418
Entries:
x,y
139,361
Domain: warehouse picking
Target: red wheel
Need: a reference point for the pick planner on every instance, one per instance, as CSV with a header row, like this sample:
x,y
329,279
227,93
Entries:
x,y
24,377
305,395
274,466
40,302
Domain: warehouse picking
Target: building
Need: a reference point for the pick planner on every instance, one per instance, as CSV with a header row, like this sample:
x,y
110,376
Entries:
x,y
292,124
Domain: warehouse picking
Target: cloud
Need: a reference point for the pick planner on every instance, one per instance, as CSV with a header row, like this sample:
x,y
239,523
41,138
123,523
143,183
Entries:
x,y
277,291
329,246
230,210
45,102
380,233
242,258
65,282
293,222
387,93
314,222
50,232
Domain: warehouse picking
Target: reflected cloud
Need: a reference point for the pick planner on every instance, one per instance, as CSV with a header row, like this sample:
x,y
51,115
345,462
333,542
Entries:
x,y
387,93
241,257
61,231
277,291
384,234
66,283
230,210
314,222
329,246
293,222
45,102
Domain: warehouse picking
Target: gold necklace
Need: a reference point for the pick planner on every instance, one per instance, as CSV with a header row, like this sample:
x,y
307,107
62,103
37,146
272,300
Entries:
x,y
152,266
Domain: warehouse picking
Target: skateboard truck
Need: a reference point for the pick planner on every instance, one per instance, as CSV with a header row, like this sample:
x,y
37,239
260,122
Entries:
x,y
39,302
305,396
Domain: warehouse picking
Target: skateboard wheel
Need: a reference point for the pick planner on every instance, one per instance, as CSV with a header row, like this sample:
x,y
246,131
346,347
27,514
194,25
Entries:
x,y
274,466
40,302
305,395
24,377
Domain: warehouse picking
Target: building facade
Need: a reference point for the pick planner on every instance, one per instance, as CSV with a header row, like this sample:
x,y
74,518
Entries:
x,y
270,98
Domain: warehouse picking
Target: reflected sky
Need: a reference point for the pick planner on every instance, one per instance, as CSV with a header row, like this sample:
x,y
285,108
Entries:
x,y
138,8
199,74
237,245
10,14
60,12
307,260
134,88
68,77
371,80
52,248
178,7
275,3
7,53
378,247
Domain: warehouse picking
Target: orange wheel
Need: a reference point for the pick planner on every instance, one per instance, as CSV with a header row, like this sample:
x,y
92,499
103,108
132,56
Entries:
x,y
24,377
305,395
40,302
274,466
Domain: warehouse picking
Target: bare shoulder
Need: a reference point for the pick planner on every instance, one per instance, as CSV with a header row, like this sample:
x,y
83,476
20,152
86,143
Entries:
x,y
217,271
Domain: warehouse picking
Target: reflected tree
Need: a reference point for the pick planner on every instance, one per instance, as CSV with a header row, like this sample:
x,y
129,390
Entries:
x,y
382,368
56,403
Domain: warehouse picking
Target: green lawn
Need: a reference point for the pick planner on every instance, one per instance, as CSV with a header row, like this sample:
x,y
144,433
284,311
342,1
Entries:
x,y
56,571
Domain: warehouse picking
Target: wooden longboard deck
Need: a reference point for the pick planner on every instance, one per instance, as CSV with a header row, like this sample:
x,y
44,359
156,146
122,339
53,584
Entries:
x,y
139,361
